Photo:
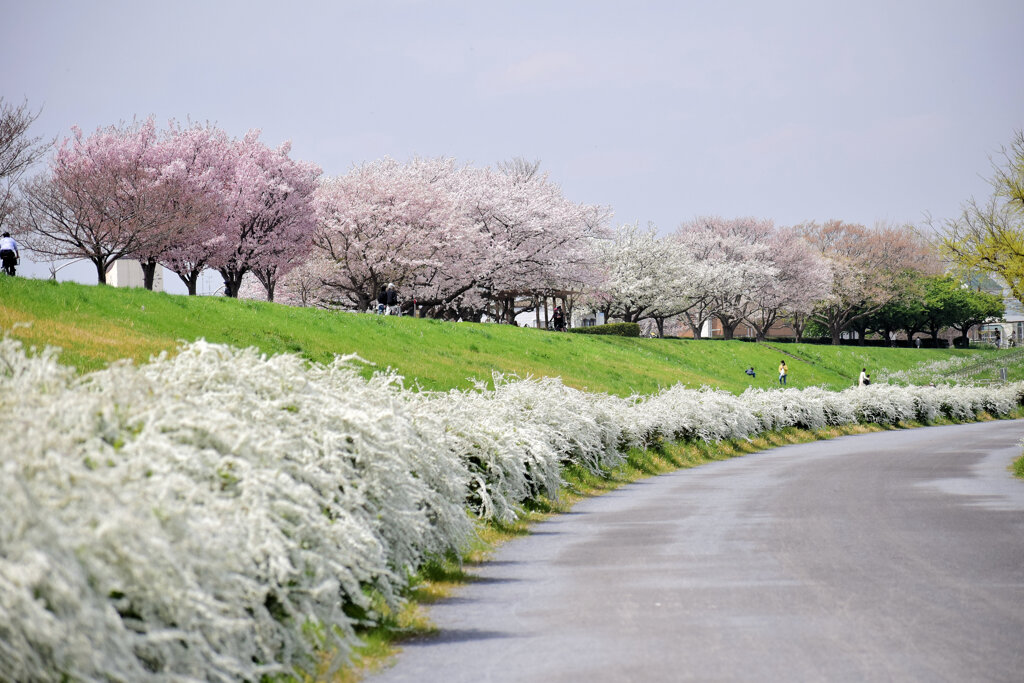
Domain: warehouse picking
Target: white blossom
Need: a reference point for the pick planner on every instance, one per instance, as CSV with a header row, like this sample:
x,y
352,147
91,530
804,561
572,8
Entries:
x,y
220,515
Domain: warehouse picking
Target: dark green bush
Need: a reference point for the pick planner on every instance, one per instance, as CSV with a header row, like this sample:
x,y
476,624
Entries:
x,y
618,329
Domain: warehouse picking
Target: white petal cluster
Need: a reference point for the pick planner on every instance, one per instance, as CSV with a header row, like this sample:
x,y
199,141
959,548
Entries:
x,y
221,515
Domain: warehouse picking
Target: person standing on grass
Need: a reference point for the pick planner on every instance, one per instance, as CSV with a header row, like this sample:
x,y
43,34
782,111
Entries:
x,y
863,381
391,299
783,371
559,319
9,253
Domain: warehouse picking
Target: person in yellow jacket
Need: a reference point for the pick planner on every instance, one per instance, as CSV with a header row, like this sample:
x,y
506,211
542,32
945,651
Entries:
x,y
783,370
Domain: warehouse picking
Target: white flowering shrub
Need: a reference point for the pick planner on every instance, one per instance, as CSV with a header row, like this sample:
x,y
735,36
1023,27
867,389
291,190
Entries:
x,y
923,373
220,515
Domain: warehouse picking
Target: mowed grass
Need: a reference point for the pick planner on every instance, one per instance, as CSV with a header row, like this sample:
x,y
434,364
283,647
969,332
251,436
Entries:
x,y
95,325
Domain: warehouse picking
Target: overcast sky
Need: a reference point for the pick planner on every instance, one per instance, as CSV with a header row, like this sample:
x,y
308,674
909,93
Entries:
x,y
859,110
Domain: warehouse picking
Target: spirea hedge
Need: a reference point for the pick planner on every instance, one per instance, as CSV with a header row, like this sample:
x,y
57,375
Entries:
x,y
220,515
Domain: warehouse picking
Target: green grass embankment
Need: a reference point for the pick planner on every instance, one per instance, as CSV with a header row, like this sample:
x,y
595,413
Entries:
x,y
96,325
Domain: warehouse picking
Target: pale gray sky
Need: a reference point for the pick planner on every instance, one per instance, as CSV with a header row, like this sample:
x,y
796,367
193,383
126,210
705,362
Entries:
x,y
862,110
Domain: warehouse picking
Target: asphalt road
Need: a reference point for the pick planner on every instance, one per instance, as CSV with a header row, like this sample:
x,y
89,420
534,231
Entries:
x,y
896,556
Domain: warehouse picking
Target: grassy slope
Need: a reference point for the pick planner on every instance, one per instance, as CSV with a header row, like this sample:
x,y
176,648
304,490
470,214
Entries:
x,y
96,325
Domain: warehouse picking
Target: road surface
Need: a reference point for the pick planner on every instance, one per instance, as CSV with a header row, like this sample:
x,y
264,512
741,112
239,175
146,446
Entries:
x,y
895,556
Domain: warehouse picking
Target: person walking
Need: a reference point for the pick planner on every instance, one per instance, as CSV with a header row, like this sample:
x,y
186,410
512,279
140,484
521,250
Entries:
x,y
391,299
863,381
9,254
783,371
559,319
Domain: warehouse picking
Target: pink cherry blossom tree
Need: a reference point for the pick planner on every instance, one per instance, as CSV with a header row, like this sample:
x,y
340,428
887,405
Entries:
x,y
194,166
802,278
531,235
867,265
391,222
268,218
99,199
457,240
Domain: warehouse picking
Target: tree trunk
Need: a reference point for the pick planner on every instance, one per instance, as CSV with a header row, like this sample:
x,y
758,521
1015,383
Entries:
x,y
799,323
695,325
190,278
836,332
729,328
101,271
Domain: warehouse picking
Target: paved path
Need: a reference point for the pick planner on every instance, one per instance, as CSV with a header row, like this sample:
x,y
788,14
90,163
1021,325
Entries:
x,y
896,556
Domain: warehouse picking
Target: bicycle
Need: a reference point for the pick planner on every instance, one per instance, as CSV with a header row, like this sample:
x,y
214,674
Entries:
x,y
9,265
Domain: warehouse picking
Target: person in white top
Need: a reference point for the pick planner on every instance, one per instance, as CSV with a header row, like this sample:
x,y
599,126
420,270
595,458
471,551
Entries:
x,y
864,380
9,253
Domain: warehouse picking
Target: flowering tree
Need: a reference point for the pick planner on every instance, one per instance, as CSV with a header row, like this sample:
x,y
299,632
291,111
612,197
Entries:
x,y
642,276
531,235
452,238
193,166
100,200
18,152
867,268
739,252
716,265
268,220
389,222
802,278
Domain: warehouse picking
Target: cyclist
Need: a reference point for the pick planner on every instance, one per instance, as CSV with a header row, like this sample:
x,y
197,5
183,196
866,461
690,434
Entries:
x,y
9,254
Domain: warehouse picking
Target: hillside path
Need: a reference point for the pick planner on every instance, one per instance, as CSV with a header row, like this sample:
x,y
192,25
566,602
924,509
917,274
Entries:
x,y
894,556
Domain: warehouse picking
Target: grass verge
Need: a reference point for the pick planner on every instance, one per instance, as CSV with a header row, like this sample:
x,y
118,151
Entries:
x,y
96,325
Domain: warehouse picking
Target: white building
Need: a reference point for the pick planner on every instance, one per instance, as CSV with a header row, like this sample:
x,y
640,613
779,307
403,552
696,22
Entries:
x,y
128,273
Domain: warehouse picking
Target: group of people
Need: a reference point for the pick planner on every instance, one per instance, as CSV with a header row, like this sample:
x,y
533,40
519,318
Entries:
x,y
863,381
783,372
9,254
387,300
388,304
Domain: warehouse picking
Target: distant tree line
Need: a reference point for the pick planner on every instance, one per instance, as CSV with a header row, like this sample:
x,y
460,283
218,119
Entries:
x,y
462,242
